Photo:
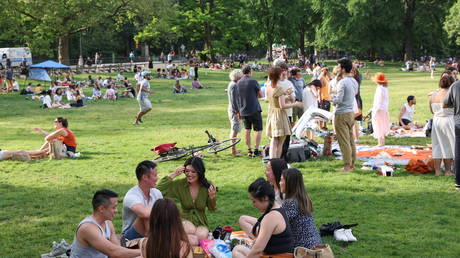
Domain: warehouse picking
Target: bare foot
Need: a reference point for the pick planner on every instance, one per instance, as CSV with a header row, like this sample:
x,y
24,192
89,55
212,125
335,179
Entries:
x,y
236,153
346,169
437,173
449,173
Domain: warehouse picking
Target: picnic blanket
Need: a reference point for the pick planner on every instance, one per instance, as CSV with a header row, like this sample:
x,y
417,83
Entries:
x,y
416,160
402,133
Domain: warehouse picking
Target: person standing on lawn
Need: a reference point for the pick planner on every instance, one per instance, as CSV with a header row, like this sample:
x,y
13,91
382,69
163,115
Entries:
x,y
143,97
344,119
452,100
249,109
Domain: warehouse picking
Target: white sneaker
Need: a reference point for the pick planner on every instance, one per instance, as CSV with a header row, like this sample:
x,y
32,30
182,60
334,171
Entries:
x,y
349,235
339,235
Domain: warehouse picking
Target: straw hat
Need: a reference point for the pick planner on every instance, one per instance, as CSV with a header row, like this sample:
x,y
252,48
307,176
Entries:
x,y
379,77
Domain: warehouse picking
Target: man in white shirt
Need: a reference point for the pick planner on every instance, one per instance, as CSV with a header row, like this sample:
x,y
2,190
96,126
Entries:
x,y
406,116
139,200
120,76
15,85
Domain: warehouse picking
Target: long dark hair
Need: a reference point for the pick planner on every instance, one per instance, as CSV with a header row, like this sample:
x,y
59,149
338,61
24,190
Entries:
x,y
198,164
295,189
278,165
259,189
167,234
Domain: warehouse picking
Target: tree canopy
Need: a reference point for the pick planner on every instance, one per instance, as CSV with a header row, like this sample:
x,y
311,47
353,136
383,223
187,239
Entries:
x,y
366,28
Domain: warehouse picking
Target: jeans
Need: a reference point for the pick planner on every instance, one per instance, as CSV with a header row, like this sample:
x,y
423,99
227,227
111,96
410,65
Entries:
x,y
457,154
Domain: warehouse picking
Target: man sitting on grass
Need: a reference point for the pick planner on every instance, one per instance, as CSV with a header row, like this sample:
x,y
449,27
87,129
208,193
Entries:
x,y
95,235
139,200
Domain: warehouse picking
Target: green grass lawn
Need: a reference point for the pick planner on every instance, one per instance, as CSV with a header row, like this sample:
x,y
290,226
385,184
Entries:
x,y
43,200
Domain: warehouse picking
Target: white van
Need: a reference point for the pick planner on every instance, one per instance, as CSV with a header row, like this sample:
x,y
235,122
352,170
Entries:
x,y
16,55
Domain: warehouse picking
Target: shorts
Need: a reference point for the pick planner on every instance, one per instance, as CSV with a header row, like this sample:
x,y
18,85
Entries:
x,y
71,148
144,104
253,121
235,123
131,233
405,122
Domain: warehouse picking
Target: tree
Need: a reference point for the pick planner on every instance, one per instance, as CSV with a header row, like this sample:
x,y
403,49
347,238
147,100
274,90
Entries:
x,y
452,23
56,20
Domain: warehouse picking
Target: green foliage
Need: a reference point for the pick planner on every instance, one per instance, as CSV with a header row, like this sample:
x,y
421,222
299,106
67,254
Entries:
x,y
452,24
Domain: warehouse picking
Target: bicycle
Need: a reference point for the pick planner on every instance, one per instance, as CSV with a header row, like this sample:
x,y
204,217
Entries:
x,y
169,151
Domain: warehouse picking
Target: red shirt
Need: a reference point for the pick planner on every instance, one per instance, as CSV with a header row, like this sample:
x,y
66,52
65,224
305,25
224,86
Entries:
x,y
69,140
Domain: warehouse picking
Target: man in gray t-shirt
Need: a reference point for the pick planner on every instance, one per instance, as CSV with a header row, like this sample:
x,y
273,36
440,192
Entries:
x,y
139,200
452,100
344,119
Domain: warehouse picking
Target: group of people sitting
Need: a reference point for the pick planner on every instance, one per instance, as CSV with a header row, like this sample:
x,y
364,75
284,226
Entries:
x,y
164,231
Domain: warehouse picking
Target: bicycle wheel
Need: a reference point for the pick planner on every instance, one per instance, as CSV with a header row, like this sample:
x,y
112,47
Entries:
x,y
173,155
223,145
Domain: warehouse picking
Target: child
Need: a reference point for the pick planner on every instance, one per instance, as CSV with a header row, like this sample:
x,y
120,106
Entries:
x,y
380,116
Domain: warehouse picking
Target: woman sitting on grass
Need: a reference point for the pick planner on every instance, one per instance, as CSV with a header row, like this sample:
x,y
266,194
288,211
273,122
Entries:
x,y
110,93
273,171
167,237
195,193
61,133
272,230
97,93
299,208
178,88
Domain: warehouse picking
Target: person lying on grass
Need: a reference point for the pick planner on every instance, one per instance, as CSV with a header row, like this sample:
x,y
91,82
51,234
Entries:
x,y
272,230
17,155
195,193
61,133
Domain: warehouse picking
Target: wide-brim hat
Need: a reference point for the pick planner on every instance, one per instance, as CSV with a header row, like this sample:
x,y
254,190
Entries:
x,y
379,77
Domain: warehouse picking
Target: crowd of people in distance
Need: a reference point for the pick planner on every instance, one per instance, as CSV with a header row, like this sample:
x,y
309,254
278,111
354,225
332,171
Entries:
x,y
289,96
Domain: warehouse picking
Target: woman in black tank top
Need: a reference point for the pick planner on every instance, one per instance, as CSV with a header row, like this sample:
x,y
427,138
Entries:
x,y
272,229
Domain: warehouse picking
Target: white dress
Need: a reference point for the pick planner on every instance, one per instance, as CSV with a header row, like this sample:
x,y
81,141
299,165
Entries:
x,y
442,133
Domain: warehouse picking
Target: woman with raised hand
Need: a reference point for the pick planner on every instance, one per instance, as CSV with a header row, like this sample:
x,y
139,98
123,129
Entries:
x,y
299,209
272,230
195,193
167,237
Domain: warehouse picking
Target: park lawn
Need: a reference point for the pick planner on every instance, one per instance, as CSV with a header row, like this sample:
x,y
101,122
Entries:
x,y
43,200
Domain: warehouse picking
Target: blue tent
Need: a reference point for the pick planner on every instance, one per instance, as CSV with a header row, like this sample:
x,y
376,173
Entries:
x,y
39,75
49,65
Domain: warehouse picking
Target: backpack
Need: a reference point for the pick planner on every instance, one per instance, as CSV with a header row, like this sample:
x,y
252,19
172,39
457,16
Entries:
x,y
298,153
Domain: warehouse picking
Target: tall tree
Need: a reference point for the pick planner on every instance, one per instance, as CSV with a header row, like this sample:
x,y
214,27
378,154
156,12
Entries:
x,y
452,23
57,20
409,18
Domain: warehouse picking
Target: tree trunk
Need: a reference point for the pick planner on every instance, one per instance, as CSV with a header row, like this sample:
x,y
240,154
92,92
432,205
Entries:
x,y
302,41
63,50
408,26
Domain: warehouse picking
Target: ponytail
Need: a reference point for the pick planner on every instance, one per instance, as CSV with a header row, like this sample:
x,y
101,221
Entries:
x,y
260,189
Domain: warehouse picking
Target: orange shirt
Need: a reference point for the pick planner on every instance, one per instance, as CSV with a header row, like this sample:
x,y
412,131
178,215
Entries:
x,y
69,140
325,88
